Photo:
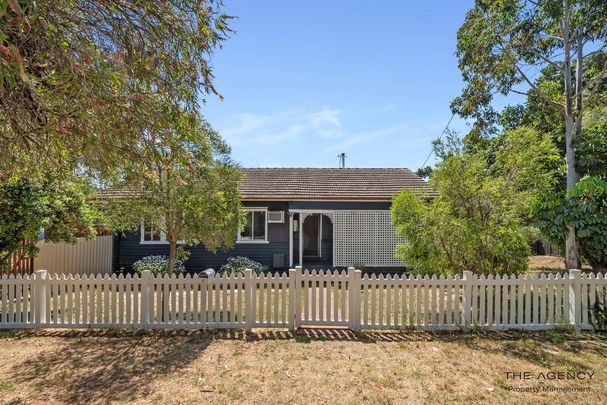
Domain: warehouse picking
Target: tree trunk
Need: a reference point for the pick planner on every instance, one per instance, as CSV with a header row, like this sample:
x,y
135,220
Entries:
x,y
572,260
172,253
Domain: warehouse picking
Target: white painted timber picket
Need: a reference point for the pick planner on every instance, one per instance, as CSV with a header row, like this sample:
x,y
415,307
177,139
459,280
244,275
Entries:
x,y
325,298
396,302
300,298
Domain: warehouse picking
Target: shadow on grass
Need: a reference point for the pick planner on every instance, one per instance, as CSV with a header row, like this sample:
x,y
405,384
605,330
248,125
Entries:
x,y
545,348
105,366
552,348
122,365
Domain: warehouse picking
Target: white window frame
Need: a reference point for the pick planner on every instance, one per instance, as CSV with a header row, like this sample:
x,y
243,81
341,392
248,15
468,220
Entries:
x,y
254,209
280,221
163,238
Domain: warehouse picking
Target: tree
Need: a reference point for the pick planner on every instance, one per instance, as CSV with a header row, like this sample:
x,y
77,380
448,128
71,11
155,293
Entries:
x,y
27,206
194,202
82,82
478,220
424,172
586,203
501,41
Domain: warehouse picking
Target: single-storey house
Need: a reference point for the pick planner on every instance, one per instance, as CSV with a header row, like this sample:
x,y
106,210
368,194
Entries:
x,y
314,217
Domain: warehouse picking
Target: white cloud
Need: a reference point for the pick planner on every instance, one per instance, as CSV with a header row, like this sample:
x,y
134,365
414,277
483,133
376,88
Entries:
x,y
367,136
279,134
248,123
291,132
327,123
252,129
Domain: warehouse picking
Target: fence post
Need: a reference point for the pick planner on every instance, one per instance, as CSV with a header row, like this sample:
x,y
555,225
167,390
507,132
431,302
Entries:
x,y
297,306
146,275
575,298
354,277
39,310
293,294
467,298
249,297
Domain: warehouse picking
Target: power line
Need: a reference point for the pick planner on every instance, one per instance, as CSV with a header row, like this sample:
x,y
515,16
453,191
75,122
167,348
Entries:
x,y
439,138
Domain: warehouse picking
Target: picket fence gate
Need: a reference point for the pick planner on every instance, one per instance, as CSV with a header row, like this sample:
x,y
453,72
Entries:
x,y
300,299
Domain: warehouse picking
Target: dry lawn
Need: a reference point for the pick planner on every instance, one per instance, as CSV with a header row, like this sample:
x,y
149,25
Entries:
x,y
549,264
277,367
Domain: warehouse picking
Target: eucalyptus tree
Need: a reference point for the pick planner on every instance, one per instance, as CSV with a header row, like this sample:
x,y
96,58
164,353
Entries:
x,y
502,43
81,81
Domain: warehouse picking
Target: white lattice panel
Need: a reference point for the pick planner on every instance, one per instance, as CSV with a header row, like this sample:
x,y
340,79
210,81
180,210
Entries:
x,y
364,236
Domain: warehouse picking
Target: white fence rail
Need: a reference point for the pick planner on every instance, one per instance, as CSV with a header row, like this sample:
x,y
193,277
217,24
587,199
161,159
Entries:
x,y
300,299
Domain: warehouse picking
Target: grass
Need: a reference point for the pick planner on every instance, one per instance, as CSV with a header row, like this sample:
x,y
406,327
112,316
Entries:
x,y
314,366
538,264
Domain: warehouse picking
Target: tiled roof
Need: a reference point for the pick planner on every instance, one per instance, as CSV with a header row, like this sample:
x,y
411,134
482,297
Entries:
x,y
328,184
318,184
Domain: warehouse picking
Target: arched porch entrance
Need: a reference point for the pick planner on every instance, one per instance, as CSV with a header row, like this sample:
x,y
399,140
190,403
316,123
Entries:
x,y
311,239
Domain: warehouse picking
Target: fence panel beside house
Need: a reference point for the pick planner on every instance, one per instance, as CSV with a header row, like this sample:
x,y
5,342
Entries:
x,y
300,299
86,256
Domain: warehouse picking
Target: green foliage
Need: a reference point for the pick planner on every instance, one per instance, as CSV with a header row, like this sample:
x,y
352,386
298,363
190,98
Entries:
x,y
424,172
94,83
498,43
157,265
485,199
586,209
585,206
237,265
359,266
592,148
195,201
60,208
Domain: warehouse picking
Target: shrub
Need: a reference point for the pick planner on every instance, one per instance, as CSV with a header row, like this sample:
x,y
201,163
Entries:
x,y
237,265
157,265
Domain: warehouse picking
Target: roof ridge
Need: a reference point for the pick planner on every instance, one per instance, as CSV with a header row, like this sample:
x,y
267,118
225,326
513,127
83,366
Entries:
x,y
326,168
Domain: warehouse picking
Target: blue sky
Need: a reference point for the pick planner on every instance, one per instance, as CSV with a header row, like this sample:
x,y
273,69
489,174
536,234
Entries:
x,y
304,81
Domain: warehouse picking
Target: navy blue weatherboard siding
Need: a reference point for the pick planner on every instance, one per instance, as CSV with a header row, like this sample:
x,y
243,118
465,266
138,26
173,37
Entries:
x,y
128,249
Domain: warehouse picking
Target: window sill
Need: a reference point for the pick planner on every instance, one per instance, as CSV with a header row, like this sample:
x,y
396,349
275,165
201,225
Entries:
x,y
158,242
252,241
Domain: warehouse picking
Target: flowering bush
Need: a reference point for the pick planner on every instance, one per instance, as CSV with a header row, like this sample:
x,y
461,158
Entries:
x,y
157,265
237,265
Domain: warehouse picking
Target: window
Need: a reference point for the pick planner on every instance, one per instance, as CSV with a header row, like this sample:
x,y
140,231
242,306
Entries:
x,y
255,228
151,234
276,217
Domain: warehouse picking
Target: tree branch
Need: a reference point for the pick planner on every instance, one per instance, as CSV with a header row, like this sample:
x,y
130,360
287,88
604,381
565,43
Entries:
x,y
595,83
551,62
559,106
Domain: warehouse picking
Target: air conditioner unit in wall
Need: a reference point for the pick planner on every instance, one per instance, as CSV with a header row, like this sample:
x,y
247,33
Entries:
x,y
276,217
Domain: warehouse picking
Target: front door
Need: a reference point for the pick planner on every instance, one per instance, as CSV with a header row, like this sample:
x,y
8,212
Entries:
x,y
311,235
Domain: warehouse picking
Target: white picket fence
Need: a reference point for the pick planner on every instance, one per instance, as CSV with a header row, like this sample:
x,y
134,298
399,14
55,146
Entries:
x,y
300,299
